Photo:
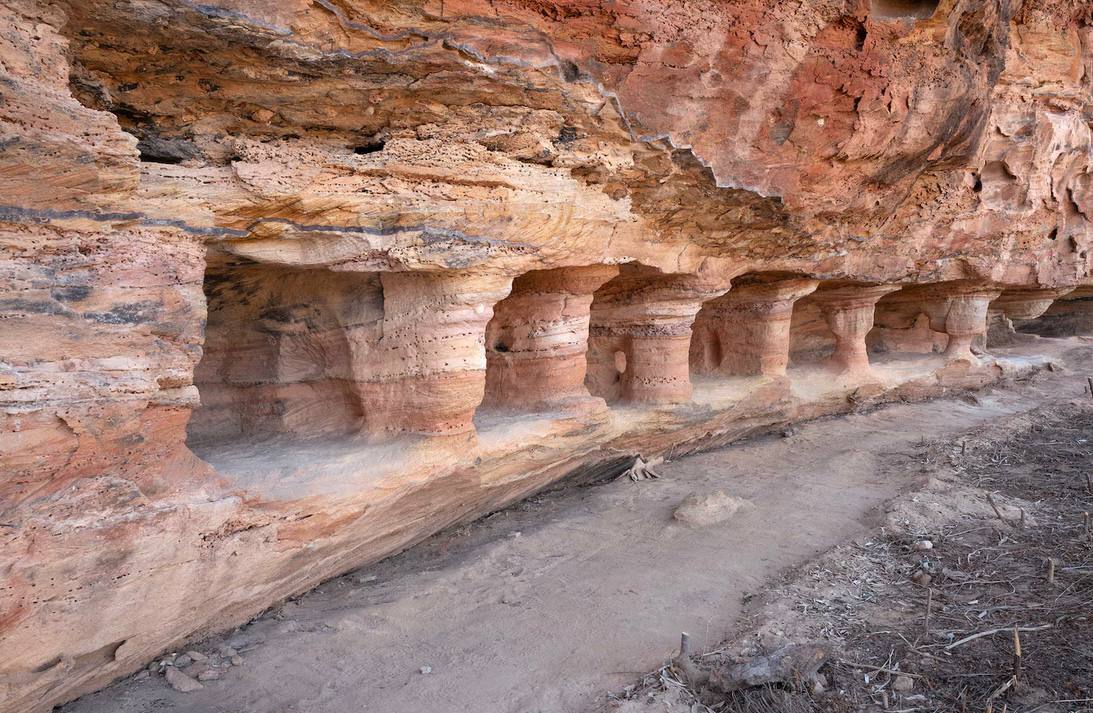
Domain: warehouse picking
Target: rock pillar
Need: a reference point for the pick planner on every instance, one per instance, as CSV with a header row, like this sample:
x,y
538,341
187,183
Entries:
x,y
746,331
848,311
960,310
537,341
427,373
641,335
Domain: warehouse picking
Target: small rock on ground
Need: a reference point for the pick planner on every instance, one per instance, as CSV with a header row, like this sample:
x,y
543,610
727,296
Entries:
x,y
709,509
181,682
195,669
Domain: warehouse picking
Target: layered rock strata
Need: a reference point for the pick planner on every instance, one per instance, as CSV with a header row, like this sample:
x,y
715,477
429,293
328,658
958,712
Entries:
x,y
289,286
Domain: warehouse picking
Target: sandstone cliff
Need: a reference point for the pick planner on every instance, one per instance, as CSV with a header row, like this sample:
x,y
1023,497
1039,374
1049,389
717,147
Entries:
x,y
289,285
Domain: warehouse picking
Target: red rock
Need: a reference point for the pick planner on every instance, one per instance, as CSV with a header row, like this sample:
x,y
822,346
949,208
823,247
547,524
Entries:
x,y
284,288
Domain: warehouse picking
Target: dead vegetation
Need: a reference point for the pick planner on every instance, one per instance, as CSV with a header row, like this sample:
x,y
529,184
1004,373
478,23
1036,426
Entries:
x,y
975,596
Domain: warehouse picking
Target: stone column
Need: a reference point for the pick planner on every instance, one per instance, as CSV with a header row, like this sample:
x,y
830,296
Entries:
x,y
659,369
848,311
537,341
749,329
960,310
641,336
427,373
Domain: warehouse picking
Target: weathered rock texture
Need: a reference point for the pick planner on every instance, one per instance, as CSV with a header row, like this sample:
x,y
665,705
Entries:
x,y
289,285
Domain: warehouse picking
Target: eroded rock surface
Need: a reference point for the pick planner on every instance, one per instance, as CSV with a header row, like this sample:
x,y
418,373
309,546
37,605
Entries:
x,y
289,286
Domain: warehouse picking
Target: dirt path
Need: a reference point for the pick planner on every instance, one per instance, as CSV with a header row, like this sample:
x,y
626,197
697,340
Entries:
x,y
973,594
547,606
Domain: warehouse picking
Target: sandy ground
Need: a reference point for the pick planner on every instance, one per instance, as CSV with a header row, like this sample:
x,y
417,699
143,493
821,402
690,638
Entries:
x,y
549,605
973,593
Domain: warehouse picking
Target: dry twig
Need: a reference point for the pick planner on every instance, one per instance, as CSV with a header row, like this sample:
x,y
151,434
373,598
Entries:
x,y
989,632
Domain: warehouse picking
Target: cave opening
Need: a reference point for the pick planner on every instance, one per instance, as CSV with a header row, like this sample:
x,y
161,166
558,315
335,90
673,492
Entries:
x,y
537,340
902,327
898,9
811,341
371,146
281,344
707,352
745,332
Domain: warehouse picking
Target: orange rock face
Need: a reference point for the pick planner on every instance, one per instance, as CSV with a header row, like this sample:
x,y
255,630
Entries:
x,y
289,286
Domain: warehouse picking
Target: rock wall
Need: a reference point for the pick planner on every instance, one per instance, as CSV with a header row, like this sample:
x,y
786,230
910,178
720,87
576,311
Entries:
x,y
290,285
